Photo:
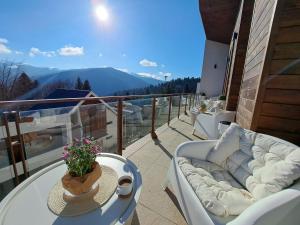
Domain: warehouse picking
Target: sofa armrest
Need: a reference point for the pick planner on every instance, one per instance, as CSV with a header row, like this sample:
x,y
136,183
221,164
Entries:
x,y
195,149
280,208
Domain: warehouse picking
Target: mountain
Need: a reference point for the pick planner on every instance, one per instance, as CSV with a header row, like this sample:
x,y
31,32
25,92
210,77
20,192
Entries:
x,y
149,80
35,72
104,81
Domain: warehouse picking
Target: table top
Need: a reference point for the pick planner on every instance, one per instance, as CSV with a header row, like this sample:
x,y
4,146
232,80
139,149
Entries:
x,y
27,203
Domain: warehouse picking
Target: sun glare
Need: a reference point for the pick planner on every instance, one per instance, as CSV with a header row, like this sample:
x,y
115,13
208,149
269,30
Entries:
x,y
102,13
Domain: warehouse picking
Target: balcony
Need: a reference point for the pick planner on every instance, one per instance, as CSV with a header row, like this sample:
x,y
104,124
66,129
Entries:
x,y
144,129
153,158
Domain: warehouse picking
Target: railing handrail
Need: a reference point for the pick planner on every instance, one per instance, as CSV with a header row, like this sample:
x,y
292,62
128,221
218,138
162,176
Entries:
x,y
104,98
117,109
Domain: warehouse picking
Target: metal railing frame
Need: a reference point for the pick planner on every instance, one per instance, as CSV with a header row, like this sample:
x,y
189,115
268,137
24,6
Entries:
x,y
119,99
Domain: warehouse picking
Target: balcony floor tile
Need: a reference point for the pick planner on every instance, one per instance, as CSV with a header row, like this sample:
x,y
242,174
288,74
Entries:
x,y
153,157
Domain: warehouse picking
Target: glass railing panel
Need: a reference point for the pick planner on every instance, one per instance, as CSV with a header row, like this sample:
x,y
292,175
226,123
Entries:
x,y
45,132
98,121
137,119
175,106
184,104
162,111
6,172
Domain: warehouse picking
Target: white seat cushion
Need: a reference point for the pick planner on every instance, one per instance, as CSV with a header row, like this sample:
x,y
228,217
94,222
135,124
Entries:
x,y
217,190
275,166
261,163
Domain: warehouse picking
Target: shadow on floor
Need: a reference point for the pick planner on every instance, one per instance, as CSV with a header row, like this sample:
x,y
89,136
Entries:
x,y
135,219
181,120
158,143
173,128
174,200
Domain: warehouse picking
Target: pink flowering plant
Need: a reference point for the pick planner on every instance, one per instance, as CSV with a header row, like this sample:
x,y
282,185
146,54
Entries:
x,y
80,156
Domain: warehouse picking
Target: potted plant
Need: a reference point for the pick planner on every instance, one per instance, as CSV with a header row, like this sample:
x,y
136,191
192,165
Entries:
x,y
83,170
203,107
222,98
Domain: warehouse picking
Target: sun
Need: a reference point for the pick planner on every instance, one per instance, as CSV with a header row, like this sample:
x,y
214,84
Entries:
x,y
102,13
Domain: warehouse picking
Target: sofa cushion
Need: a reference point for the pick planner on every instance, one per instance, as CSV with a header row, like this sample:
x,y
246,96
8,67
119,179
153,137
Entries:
x,y
261,163
275,166
217,190
227,144
238,162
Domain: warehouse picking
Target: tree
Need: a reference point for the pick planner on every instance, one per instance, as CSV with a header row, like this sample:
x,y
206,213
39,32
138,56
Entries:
x,y
86,85
8,78
14,84
186,88
187,85
23,84
78,84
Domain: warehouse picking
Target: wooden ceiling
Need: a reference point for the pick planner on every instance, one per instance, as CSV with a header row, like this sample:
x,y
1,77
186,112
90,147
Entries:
x,y
218,17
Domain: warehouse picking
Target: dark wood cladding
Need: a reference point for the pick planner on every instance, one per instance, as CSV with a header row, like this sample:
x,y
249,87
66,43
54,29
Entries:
x,y
218,17
235,74
272,71
256,51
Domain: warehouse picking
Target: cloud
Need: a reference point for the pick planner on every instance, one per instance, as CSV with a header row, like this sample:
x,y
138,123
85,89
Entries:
x,y
3,41
165,74
3,48
69,50
19,52
148,63
159,76
150,75
35,52
14,67
123,70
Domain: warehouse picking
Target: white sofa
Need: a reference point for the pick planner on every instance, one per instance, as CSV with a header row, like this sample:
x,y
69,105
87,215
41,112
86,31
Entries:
x,y
258,174
206,124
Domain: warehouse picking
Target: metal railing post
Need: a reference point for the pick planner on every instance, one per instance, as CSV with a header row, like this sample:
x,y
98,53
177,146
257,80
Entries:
x,y
120,127
190,102
153,134
179,107
170,106
21,142
194,96
10,146
186,99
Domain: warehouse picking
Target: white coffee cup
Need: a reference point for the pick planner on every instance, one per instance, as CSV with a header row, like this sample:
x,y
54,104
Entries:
x,y
124,185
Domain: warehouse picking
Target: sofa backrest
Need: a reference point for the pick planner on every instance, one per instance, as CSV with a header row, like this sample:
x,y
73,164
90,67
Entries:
x,y
237,163
261,163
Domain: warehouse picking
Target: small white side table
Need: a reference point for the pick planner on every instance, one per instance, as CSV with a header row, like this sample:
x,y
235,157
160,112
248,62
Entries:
x,y
27,203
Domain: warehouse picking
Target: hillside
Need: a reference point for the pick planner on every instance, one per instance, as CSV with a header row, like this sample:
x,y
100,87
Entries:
x,y
103,81
180,85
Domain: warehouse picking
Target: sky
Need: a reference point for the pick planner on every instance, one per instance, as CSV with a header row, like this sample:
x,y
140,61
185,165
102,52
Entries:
x,y
154,38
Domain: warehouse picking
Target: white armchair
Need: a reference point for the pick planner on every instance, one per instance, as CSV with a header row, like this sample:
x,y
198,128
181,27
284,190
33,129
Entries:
x,y
278,208
206,124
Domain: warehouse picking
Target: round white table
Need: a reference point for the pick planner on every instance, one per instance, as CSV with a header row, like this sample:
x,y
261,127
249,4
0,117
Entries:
x,y
27,203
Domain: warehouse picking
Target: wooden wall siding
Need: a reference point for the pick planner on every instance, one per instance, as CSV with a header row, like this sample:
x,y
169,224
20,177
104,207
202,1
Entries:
x,y
280,109
242,28
275,73
256,50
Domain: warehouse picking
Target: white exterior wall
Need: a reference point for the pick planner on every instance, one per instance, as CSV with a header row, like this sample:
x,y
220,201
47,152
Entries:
x,y
212,78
